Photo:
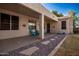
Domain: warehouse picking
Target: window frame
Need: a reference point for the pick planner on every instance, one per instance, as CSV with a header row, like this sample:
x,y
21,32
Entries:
x,y
4,23
10,22
63,25
14,23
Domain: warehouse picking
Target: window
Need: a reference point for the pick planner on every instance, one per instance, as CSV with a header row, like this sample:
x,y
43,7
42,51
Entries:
x,y
63,24
7,23
15,22
4,22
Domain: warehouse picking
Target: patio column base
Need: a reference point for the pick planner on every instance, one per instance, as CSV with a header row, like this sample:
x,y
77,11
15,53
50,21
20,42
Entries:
x,y
41,38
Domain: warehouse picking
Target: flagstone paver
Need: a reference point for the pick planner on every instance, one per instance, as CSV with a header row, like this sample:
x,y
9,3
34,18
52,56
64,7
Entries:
x,y
30,50
52,39
45,42
56,37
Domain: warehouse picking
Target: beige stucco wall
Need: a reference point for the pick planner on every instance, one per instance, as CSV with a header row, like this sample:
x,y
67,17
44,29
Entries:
x,y
59,27
52,26
23,31
69,26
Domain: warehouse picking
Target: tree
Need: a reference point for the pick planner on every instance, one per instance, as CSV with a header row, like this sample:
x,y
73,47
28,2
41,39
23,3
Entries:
x,y
57,14
61,14
75,23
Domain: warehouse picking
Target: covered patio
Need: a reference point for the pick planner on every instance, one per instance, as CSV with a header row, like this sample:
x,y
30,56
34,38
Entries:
x,y
44,23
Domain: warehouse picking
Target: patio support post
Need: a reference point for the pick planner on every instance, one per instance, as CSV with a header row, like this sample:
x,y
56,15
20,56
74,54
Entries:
x,y
42,26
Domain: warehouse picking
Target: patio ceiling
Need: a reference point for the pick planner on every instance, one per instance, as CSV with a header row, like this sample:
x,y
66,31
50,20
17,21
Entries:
x,y
49,19
40,9
18,8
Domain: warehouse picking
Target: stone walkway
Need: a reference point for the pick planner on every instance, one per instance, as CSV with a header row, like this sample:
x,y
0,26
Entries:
x,y
39,48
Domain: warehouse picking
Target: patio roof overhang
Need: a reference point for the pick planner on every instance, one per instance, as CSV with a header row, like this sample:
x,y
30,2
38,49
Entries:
x,y
18,8
40,9
49,19
65,17
29,9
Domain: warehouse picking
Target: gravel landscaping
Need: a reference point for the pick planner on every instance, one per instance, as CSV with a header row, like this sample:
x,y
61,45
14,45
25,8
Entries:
x,y
43,50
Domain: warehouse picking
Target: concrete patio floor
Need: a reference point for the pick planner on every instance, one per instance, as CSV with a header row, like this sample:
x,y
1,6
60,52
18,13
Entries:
x,y
7,45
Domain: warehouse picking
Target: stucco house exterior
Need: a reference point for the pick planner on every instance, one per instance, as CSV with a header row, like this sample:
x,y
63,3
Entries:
x,y
16,19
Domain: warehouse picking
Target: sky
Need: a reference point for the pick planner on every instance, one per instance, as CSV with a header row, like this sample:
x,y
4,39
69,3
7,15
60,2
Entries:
x,y
62,7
